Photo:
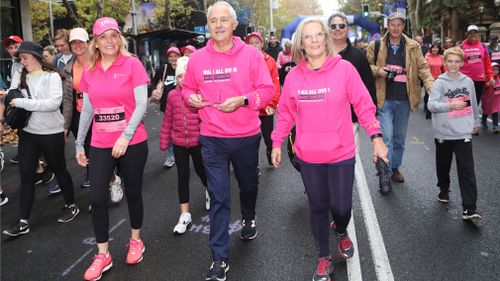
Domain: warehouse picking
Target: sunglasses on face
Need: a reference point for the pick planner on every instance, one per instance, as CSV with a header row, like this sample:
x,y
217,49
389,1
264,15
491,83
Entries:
x,y
340,26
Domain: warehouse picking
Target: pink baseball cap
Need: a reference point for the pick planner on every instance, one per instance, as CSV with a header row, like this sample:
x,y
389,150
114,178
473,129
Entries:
x,y
102,25
173,50
254,34
188,47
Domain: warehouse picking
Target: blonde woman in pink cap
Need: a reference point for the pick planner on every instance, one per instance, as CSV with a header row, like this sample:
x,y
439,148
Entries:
x,y
115,94
164,82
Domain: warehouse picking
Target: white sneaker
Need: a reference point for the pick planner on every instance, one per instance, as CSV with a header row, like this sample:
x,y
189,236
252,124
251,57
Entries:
x,y
169,162
116,190
182,224
207,201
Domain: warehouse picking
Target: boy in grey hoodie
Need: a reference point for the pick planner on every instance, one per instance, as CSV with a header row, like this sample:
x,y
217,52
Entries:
x,y
454,110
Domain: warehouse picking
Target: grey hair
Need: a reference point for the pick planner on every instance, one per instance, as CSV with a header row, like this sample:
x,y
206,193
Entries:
x,y
230,8
338,15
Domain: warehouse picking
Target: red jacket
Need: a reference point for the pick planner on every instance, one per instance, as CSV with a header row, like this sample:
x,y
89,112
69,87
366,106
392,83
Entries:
x,y
273,70
181,123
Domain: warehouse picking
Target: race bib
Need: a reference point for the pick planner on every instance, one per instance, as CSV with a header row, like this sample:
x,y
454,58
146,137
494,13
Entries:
x,y
495,56
459,113
110,120
474,57
401,73
79,101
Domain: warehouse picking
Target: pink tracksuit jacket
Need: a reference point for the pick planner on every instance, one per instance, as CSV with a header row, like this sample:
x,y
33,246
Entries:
x,y
318,103
216,76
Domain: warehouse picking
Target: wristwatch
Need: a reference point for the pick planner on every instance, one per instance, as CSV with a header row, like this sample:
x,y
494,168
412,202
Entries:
x,y
372,137
245,101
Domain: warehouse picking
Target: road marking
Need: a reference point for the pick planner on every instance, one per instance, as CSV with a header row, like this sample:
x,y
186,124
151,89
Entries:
x,y
353,264
377,246
69,269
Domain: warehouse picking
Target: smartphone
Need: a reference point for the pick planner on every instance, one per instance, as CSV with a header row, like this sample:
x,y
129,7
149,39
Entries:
x,y
468,102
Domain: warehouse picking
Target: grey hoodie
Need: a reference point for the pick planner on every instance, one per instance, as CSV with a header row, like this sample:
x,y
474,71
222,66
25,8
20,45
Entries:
x,y
453,124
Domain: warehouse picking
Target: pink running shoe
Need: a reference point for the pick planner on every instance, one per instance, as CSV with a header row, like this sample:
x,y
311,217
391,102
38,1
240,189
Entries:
x,y
100,264
135,250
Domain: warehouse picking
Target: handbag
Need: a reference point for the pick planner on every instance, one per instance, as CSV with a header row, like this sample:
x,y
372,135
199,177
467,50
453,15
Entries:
x,y
15,117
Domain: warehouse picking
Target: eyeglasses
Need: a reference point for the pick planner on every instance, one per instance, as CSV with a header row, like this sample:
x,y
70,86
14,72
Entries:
x,y
340,26
215,21
309,37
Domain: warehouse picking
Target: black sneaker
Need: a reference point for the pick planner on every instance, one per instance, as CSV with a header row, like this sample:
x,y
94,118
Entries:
x,y
19,229
44,177
249,230
3,199
258,171
14,160
85,183
54,189
218,271
444,197
69,213
470,215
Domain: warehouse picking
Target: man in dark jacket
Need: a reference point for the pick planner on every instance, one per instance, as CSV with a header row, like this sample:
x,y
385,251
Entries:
x,y
273,47
339,29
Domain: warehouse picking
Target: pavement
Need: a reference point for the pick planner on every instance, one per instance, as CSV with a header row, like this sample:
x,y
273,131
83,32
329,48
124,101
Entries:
x,y
415,237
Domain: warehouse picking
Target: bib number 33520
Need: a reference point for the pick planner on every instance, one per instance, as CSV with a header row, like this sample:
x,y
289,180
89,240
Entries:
x,y
110,119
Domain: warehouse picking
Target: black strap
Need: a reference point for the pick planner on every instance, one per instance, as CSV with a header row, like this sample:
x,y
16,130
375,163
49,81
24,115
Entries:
x,y
28,90
377,48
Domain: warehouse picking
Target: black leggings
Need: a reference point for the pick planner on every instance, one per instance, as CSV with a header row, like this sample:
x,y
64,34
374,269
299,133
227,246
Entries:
x,y
101,169
181,155
329,189
29,149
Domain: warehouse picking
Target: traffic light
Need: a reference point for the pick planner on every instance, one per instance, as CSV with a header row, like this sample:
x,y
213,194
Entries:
x,y
365,8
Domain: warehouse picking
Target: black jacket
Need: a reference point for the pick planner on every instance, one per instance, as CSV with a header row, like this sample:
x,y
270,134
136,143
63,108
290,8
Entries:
x,y
274,51
358,59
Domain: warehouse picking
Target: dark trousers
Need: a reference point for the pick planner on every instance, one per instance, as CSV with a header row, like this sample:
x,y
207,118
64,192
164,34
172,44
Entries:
x,y
266,128
465,169
478,86
101,169
329,189
217,154
29,149
181,155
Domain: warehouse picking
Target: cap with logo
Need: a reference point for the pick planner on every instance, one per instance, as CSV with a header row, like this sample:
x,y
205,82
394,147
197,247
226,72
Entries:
x,y
102,25
472,27
12,39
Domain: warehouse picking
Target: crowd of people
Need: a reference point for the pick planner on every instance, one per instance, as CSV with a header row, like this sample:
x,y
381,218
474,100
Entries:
x,y
220,100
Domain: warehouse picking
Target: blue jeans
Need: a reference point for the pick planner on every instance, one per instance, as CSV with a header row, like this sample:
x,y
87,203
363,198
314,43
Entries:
x,y
393,118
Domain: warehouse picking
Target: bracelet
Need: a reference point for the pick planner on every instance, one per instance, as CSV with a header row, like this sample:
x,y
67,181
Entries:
x,y
375,136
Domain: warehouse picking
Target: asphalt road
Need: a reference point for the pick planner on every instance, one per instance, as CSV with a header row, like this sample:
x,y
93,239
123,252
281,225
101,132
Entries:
x,y
423,239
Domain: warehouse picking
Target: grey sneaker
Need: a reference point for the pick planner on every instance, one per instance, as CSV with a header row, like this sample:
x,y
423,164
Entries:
x,y
69,213
169,163
116,190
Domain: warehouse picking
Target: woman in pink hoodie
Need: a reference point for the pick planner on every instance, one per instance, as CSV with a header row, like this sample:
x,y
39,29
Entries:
x,y
181,124
316,98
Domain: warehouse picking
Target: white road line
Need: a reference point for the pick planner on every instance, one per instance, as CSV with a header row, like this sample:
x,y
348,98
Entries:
x,y
68,270
377,246
353,264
